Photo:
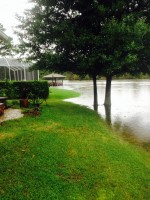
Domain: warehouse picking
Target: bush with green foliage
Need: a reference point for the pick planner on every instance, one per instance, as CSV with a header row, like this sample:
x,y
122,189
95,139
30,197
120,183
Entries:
x,y
6,89
34,90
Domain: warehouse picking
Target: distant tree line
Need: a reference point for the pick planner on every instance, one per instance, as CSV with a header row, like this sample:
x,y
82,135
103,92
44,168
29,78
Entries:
x,y
73,76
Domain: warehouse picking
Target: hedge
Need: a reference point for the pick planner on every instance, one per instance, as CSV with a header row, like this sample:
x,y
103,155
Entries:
x,y
6,89
34,90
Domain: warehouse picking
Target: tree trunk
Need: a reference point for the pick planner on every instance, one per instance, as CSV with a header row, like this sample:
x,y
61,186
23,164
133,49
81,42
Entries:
x,y
108,114
95,93
24,103
108,91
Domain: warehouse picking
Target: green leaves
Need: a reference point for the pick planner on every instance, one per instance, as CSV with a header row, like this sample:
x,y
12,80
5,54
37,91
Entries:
x,y
83,36
5,44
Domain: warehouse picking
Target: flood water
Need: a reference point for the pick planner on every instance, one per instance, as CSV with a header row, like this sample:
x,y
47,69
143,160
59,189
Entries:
x,y
130,109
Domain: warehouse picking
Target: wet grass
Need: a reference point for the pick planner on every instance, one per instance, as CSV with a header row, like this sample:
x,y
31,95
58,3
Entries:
x,y
68,153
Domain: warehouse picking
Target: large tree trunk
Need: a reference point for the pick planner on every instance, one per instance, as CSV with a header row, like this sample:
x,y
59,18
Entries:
x,y
95,93
108,91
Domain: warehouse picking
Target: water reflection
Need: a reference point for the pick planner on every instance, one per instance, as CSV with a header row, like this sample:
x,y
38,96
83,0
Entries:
x,y
130,110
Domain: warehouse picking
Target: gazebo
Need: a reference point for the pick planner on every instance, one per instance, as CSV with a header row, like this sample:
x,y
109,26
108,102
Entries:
x,y
54,78
13,69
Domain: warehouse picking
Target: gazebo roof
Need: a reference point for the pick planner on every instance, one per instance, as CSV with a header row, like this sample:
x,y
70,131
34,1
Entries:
x,y
53,76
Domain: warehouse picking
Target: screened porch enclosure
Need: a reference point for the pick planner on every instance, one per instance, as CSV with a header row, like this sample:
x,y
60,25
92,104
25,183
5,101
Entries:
x,y
14,70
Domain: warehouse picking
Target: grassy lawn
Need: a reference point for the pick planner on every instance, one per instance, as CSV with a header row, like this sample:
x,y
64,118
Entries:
x,y
69,153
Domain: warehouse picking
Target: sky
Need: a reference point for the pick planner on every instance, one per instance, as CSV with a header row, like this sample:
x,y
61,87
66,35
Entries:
x,y
8,10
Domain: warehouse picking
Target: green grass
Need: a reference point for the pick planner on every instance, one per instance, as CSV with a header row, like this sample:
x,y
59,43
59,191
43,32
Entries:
x,y
69,153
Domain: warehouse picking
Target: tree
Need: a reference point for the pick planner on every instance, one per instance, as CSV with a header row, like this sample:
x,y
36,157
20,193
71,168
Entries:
x,y
5,42
124,41
141,9
55,36
87,37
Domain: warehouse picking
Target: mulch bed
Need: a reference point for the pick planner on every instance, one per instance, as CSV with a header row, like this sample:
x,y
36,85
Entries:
x,y
34,112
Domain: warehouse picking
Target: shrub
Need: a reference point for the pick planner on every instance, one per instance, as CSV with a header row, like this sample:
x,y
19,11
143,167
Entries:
x,y
34,90
6,89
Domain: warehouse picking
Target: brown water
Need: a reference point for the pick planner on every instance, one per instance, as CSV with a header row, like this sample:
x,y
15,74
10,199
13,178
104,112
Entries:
x,y
130,110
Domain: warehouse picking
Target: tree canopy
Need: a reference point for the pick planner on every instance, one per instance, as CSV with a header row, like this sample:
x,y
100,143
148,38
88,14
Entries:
x,y
87,37
5,44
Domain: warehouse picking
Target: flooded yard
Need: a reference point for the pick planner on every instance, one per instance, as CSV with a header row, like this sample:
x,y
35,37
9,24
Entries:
x,y
130,109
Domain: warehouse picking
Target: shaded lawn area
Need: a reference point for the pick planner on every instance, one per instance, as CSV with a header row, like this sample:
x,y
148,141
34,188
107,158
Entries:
x,y
68,153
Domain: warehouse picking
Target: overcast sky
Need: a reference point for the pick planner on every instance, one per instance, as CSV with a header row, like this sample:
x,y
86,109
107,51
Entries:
x,y
8,10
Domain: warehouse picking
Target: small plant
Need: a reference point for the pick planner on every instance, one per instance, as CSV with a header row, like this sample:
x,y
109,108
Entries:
x,y
35,99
